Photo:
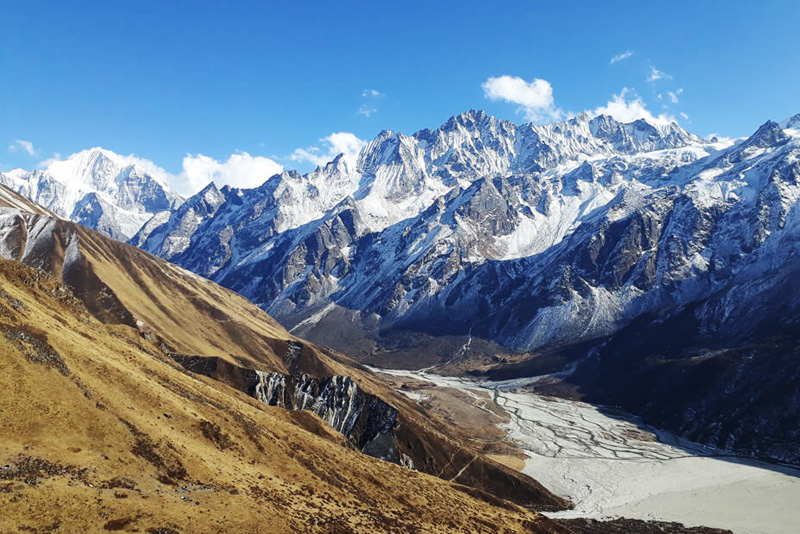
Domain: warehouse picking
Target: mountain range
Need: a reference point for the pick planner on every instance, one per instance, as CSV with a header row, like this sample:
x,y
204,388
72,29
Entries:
x,y
522,235
622,256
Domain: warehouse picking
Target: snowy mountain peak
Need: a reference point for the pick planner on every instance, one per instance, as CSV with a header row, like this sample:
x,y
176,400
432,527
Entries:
x,y
91,165
792,122
768,134
472,119
106,191
210,190
583,116
570,228
95,168
213,196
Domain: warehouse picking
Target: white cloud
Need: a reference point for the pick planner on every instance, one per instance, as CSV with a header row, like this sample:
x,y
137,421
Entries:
x,y
151,168
336,143
25,146
685,116
366,110
673,96
239,170
56,157
656,75
535,99
620,57
623,109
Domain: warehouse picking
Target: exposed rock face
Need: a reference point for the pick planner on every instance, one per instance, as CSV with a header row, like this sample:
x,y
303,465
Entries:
x,y
187,217
364,419
416,228
367,421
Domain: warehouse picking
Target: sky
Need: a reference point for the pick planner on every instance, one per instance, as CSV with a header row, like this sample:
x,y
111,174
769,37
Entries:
x,y
233,90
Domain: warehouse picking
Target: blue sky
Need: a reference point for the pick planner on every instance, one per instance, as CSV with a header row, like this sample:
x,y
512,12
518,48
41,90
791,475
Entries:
x,y
171,80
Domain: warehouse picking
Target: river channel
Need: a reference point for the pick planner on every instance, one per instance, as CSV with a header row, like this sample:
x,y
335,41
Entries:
x,y
610,465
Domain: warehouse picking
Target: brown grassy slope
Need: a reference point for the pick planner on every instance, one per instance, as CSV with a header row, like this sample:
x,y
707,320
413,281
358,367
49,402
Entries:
x,y
99,432
197,317
183,313
10,199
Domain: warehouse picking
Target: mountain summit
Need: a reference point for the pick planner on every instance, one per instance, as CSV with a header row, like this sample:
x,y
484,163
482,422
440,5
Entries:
x,y
97,188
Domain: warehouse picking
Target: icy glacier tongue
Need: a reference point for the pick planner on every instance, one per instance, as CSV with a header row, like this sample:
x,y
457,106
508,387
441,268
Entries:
x,y
96,188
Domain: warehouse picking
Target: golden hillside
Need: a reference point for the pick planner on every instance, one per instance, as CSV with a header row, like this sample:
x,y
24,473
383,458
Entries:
x,y
103,430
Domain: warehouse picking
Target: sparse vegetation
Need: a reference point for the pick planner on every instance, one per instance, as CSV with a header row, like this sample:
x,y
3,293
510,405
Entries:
x,y
213,432
33,344
110,456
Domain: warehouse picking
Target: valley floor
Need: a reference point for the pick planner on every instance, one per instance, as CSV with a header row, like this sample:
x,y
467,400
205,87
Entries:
x,y
611,465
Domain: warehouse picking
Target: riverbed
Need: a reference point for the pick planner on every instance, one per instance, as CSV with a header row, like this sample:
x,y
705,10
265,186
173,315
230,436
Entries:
x,y
609,464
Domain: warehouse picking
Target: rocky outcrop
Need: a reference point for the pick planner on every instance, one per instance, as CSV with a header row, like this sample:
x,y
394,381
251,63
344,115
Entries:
x,y
364,419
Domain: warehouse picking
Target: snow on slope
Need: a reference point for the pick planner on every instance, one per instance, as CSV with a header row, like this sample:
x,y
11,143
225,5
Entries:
x,y
569,230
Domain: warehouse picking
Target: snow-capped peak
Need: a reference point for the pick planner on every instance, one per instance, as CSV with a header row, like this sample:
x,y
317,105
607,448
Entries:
x,y
92,167
768,134
109,192
792,122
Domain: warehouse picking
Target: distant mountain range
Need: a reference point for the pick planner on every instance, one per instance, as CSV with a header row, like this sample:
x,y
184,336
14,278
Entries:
x,y
520,235
638,256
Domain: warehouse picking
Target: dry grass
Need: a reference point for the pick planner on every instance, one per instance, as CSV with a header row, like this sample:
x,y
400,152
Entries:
x,y
127,441
191,315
